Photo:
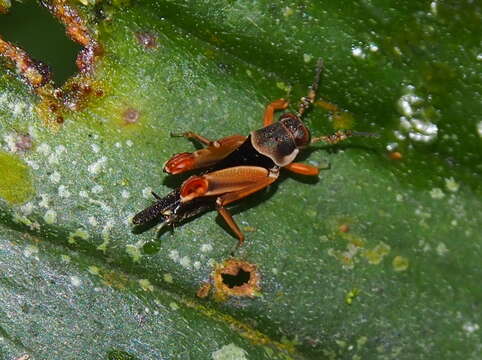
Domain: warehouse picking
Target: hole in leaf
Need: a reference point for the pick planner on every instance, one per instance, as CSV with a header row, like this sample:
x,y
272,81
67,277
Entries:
x,y
241,278
235,277
34,29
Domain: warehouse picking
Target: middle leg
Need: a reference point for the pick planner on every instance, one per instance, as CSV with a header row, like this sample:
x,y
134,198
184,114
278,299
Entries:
x,y
302,169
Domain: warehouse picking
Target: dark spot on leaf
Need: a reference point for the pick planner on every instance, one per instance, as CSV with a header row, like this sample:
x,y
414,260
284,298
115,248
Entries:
x,y
24,142
395,155
203,291
130,115
344,228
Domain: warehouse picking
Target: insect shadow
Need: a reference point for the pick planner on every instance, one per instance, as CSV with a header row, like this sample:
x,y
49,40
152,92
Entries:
x,y
208,204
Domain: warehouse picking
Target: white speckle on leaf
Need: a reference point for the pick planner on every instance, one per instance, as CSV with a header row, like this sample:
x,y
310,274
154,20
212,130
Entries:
x,y
63,191
125,194
83,193
442,249
470,327
168,278
95,148
230,352
55,177
437,193
94,270
433,8
129,143
185,262
105,235
174,255
77,234
206,248
197,265
27,209
97,189
307,58
211,262
146,192
452,185
92,221
357,51
50,216
96,167
76,281
391,146
53,159
373,47
118,145
30,250
415,119
43,149
287,11
146,285
32,164
60,149
103,205
11,140
135,250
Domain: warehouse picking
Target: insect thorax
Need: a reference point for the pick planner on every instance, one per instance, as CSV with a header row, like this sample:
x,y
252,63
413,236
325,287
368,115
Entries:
x,y
281,141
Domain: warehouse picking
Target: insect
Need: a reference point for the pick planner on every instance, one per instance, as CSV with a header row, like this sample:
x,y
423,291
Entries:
x,y
237,166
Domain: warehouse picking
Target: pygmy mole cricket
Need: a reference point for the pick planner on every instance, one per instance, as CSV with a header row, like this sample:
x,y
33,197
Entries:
x,y
237,166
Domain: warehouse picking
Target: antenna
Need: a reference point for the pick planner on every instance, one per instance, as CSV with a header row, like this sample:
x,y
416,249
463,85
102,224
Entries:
x,y
307,101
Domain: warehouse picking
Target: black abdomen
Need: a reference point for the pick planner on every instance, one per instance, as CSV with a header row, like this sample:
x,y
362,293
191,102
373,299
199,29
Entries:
x,y
244,155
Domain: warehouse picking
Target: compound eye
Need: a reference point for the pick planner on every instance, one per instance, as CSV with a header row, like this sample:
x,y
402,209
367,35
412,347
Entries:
x,y
297,129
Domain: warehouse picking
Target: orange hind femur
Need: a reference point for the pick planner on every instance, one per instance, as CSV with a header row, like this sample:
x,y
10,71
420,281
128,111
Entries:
x,y
193,187
179,163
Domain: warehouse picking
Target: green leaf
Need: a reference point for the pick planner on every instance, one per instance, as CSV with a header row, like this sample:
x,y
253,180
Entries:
x,y
378,258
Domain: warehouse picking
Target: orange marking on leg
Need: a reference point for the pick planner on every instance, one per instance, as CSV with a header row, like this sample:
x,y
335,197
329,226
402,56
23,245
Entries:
x,y
180,163
302,169
193,187
279,104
